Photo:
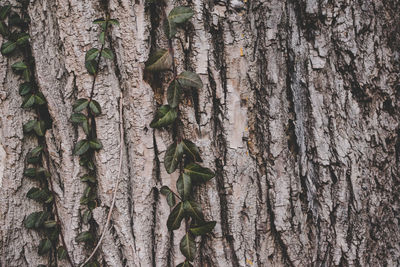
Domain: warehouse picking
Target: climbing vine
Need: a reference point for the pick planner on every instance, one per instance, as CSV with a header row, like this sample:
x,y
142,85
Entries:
x,y
183,154
85,112
14,23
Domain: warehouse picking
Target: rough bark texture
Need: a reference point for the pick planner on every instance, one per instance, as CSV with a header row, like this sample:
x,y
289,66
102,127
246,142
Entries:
x,y
298,117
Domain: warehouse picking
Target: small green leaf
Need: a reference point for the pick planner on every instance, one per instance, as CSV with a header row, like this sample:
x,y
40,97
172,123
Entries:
x,y
22,39
166,191
37,194
86,127
191,150
78,118
88,178
91,66
184,264
184,186
29,101
164,117
36,151
102,37
39,99
203,229
188,246
95,107
174,94
84,237
91,54
172,157
4,11
36,219
87,216
4,29
175,217
81,147
198,173
44,246
107,53
159,60
26,75
99,21
61,253
193,209
180,14
28,127
30,172
25,88
80,104
18,66
39,128
170,28
50,224
190,79
113,22
8,47
95,144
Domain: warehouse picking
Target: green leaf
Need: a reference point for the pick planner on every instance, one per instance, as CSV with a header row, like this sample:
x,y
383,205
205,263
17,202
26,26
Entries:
x,y
174,94
36,151
91,54
4,11
170,28
22,39
88,178
194,210
107,53
39,99
80,104
203,229
44,246
84,237
166,191
91,66
29,101
30,172
95,107
172,157
25,88
61,253
39,128
159,60
81,147
184,264
28,127
198,174
26,75
36,219
164,117
50,224
191,150
188,246
86,127
78,118
8,47
113,22
87,216
37,194
4,29
99,21
95,144
18,66
184,186
102,37
190,79
180,14
175,217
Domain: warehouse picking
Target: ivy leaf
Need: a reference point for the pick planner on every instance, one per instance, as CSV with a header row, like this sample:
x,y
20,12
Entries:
x,y
44,246
180,14
95,107
36,219
30,172
198,174
91,66
88,178
78,118
18,66
203,229
22,39
191,150
164,117
107,53
50,224
37,194
184,186
84,237
175,217
170,28
81,147
39,99
91,54
194,210
61,253
3,29
174,94
102,37
87,216
34,154
86,127
166,191
95,144
172,157
188,246
159,60
99,21
39,128
113,22
28,102
190,79
8,47
28,127
185,264
25,88
26,75
80,104
4,11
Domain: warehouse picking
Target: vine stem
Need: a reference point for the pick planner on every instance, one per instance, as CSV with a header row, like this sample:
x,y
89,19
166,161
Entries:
x,y
121,149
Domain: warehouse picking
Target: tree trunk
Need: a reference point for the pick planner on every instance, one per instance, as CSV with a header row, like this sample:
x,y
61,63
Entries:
x,y
298,117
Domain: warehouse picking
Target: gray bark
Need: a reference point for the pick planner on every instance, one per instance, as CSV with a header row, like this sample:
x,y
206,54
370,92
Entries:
x,y
298,117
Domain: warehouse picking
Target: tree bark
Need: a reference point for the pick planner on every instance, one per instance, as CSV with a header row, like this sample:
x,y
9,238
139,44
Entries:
x,y
298,117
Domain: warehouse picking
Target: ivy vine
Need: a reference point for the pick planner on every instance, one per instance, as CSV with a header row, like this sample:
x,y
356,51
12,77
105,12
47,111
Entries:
x,y
85,111
183,154
14,24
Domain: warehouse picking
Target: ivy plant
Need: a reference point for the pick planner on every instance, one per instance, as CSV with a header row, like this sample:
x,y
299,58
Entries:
x,y
13,28
182,155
